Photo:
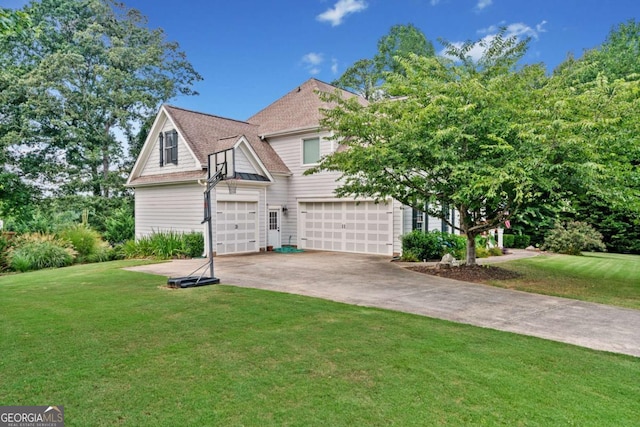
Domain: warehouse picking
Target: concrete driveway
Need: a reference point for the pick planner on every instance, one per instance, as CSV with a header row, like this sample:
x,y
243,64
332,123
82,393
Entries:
x,y
374,281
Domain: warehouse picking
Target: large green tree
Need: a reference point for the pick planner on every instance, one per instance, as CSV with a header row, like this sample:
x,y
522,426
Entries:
x,y
87,78
365,76
488,138
13,22
605,83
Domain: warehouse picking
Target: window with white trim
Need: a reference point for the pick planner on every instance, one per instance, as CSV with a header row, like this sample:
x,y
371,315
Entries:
x,y
310,151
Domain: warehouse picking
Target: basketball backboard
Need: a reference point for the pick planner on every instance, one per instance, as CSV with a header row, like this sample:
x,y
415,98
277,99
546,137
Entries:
x,y
223,161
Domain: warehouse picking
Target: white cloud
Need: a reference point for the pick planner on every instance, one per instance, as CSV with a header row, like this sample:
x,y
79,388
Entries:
x,y
540,27
483,3
312,62
334,66
475,53
434,2
313,58
518,30
340,10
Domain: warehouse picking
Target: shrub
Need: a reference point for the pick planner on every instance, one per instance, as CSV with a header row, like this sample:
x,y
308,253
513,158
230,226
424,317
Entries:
x,y
418,245
36,251
120,226
409,256
167,244
508,240
521,241
129,249
454,244
495,251
5,246
104,252
164,245
193,244
572,238
482,252
86,241
421,245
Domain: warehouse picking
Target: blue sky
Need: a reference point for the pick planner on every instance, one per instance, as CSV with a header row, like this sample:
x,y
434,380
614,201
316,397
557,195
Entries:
x,y
250,52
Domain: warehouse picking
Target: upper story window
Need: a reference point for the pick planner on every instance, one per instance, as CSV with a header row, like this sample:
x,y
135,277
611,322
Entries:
x,y
310,151
168,142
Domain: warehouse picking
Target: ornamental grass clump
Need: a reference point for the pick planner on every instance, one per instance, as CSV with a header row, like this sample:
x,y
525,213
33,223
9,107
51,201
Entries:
x,y
87,243
35,251
165,245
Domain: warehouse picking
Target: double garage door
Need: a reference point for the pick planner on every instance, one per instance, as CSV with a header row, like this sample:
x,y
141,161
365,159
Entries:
x,y
364,227
236,227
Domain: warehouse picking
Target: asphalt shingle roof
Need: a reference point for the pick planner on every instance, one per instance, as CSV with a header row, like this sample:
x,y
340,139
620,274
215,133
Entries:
x,y
208,134
298,109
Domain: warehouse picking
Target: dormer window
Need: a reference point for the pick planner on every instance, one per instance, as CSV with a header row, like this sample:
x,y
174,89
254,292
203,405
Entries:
x,y
168,143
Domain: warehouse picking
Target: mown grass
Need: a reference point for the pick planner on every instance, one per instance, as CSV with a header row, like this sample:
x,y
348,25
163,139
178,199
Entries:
x,y
118,348
598,277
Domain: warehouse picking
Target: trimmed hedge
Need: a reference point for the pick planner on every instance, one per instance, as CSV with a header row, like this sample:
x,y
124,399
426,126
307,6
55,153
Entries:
x,y
418,245
518,241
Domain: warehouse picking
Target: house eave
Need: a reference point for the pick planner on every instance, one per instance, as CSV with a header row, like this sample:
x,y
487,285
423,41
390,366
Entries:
x,y
164,182
288,132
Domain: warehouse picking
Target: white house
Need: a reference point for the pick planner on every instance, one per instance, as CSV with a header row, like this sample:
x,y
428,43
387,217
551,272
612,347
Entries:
x,y
274,204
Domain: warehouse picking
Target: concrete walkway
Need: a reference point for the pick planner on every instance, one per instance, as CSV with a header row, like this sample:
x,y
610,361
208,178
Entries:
x,y
374,281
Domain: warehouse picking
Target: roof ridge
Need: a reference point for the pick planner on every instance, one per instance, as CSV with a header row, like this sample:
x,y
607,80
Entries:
x,y
334,86
208,114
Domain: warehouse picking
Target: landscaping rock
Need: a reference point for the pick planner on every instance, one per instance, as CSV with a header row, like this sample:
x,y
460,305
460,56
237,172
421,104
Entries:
x,y
447,259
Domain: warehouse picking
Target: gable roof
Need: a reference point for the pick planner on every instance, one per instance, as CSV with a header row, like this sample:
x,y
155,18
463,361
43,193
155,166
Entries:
x,y
299,109
206,134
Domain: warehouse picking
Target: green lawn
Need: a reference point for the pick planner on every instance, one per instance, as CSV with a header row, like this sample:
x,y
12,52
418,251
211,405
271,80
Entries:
x,y
117,348
599,277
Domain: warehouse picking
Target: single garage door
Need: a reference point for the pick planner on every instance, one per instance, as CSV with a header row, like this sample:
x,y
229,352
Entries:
x,y
236,227
364,227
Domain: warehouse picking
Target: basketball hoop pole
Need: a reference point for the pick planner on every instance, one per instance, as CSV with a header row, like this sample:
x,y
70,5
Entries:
x,y
221,168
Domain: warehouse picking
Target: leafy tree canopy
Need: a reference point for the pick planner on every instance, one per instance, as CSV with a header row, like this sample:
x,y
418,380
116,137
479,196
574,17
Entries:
x,y
365,76
91,71
605,83
13,22
489,138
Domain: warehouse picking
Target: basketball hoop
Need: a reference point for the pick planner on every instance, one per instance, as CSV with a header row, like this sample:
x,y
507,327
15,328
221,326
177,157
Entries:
x,y
232,185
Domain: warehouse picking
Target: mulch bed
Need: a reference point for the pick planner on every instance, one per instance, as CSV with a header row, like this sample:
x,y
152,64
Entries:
x,y
469,273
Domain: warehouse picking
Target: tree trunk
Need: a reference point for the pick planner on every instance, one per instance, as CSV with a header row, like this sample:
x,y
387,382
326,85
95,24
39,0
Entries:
x,y
471,249
95,182
105,172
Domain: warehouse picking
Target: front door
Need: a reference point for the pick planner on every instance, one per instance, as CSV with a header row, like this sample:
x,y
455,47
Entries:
x,y
273,236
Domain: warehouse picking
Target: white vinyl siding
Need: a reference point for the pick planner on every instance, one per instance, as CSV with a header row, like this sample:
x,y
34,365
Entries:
x,y
186,161
169,207
242,163
301,186
277,195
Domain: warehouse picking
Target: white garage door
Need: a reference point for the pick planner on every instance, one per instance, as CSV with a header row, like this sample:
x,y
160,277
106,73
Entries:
x,y
364,227
236,227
